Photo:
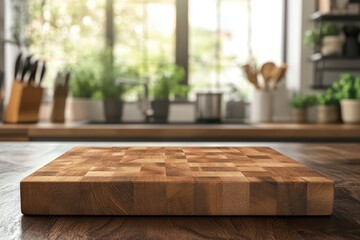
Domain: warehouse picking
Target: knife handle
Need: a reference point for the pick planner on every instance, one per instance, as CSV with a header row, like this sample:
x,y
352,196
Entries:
x,y
33,71
18,66
43,71
27,67
67,78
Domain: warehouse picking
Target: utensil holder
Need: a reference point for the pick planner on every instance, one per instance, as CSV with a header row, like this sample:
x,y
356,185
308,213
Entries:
x,y
24,103
261,107
59,104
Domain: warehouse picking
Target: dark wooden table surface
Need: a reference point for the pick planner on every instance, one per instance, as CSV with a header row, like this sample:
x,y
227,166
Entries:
x,y
338,161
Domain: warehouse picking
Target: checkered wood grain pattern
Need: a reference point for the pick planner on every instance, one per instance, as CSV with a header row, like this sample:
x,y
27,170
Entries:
x,y
176,181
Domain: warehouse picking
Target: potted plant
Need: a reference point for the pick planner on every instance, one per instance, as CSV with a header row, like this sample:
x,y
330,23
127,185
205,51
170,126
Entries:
x,y
167,86
348,91
111,92
235,107
328,107
299,104
328,36
331,40
83,85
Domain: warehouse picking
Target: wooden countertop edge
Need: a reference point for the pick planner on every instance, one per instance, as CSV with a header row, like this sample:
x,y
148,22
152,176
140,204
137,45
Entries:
x,y
193,132
14,133
23,132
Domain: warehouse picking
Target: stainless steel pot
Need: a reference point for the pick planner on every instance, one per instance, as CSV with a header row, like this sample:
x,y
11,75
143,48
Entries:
x,y
208,107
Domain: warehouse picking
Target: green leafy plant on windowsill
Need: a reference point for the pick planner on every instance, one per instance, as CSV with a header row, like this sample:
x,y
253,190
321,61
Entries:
x,y
167,83
348,92
94,75
166,87
299,101
348,87
83,82
299,104
109,73
327,98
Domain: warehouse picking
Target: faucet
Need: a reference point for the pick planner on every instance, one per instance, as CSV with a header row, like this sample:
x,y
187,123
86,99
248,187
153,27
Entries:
x,y
144,105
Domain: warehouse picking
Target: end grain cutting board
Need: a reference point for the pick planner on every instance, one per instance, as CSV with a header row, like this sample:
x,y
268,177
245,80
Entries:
x,y
176,181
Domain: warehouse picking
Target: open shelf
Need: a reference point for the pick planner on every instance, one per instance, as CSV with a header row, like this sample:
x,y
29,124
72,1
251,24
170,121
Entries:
x,y
320,87
319,57
318,16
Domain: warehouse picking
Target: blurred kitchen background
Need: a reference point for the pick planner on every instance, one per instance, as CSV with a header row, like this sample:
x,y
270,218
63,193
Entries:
x,y
235,62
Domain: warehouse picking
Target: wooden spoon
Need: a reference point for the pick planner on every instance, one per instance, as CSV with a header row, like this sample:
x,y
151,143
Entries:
x,y
266,71
251,75
278,74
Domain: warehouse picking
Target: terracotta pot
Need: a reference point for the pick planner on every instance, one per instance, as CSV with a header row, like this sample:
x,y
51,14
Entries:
x,y
299,115
350,110
161,110
328,114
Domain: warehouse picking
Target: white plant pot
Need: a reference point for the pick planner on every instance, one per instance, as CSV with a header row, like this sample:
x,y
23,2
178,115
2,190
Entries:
x,y
350,110
331,45
182,112
132,112
77,109
96,110
261,107
235,109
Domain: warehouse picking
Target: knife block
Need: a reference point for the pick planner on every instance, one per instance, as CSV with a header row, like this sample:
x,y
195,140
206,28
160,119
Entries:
x,y
24,103
59,103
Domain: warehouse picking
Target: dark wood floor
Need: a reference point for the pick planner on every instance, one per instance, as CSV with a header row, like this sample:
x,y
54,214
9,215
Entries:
x,y
338,161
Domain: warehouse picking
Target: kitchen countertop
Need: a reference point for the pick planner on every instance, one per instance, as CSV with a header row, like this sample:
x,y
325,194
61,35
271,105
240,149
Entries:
x,y
238,132
340,162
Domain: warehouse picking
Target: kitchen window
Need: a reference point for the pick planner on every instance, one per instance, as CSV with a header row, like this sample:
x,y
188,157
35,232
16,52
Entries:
x,y
60,31
221,34
228,33
144,32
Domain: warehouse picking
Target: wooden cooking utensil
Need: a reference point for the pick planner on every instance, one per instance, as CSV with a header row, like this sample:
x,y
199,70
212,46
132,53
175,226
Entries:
x,y
278,74
251,75
266,71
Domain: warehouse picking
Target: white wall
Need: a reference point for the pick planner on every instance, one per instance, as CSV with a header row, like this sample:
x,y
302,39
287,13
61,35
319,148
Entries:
x,y
300,73
2,32
11,50
307,67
